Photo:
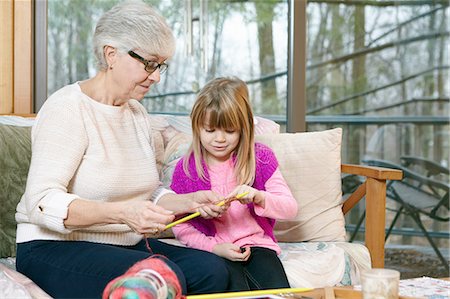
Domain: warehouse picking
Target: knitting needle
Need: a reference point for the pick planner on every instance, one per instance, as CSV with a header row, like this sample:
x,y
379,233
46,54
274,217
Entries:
x,y
245,294
193,215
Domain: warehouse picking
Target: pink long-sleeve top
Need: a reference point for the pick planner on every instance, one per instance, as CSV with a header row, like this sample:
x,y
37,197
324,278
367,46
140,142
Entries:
x,y
237,225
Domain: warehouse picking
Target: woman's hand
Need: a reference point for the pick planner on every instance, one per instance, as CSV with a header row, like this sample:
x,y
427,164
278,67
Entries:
x,y
232,252
253,195
144,217
206,202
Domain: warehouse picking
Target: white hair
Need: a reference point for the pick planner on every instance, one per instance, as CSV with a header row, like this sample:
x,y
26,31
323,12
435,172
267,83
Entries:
x,y
133,25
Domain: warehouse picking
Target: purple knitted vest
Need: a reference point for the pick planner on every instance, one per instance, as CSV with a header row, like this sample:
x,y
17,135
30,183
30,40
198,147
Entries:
x,y
266,164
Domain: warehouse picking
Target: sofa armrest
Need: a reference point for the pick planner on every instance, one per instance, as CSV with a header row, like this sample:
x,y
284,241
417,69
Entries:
x,y
374,188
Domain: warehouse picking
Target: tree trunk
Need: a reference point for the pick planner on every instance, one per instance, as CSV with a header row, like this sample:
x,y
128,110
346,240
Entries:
x,y
265,16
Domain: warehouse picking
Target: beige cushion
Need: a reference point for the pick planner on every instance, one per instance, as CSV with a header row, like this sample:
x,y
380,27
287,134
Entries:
x,y
311,164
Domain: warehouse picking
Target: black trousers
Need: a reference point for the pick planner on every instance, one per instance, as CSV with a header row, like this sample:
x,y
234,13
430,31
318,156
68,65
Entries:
x,y
76,269
263,270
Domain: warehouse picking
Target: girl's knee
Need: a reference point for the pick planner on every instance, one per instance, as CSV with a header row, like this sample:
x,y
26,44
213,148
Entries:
x,y
217,274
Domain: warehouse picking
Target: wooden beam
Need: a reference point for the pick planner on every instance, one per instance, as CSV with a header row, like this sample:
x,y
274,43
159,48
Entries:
x,y
375,220
296,102
23,56
354,198
6,56
380,173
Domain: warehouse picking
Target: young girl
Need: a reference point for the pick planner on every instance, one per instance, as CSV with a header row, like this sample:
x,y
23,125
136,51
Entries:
x,y
224,158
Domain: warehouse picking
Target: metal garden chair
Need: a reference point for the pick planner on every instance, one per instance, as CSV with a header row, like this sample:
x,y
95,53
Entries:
x,y
428,168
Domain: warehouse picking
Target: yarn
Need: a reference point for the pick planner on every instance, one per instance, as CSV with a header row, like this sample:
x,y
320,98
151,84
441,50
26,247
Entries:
x,y
151,278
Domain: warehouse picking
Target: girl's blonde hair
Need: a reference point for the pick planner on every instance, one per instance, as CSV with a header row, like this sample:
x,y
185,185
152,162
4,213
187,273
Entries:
x,y
226,101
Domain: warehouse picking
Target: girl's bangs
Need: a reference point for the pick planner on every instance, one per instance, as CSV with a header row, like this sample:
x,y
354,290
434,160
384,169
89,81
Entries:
x,y
223,119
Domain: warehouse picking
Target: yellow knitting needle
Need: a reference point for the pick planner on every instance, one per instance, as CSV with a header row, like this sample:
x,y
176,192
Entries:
x,y
251,294
193,215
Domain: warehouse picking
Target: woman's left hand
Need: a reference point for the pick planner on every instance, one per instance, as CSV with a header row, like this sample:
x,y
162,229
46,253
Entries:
x,y
253,195
206,202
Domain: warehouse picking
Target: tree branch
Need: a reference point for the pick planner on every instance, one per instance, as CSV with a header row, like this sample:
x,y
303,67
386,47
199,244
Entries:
x,y
351,97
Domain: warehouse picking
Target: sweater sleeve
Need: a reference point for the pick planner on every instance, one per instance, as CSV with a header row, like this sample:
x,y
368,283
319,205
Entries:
x,y
280,204
58,144
192,237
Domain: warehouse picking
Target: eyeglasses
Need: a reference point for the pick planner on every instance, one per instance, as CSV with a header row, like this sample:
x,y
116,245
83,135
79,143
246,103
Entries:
x,y
150,66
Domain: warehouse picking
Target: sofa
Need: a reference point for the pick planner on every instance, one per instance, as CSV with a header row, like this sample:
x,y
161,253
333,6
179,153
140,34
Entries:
x,y
315,252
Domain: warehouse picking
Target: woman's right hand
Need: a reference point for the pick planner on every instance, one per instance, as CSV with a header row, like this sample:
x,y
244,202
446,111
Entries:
x,y
144,217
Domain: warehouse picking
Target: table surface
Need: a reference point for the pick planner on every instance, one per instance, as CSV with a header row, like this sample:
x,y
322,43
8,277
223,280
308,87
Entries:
x,y
333,293
329,293
337,293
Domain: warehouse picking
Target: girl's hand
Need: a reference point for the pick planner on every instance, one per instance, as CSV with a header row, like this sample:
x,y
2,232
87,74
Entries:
x,y
232,252
206,202
255,196
144,217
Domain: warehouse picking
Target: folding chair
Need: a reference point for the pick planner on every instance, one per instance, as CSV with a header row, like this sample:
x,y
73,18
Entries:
x,y
427,167
418,194
431,168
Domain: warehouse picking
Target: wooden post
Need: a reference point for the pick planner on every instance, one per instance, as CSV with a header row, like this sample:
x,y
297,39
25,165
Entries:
x,y
23,57
375,220
6,57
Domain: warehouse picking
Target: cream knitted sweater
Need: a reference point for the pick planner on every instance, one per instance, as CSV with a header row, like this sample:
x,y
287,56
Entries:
x,y
84,149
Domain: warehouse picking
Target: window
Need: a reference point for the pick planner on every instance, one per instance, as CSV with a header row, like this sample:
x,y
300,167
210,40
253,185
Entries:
x,y
248,39
380,70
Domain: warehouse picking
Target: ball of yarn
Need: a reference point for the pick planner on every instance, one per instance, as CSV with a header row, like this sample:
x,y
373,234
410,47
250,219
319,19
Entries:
x,y
151,278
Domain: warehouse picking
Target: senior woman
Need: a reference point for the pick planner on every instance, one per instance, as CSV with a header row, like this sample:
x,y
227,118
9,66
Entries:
x,y
93,190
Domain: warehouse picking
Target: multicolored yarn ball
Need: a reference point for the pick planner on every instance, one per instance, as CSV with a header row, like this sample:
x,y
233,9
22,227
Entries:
x,y
151,278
